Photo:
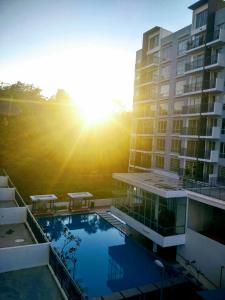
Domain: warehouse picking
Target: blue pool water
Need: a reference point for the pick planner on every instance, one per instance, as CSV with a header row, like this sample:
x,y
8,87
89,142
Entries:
x,y
107,260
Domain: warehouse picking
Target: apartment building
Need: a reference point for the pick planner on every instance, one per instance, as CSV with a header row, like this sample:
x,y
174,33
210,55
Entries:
x,y
173,193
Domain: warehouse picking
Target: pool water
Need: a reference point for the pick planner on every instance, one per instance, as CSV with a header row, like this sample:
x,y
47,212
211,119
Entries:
x,y
107,260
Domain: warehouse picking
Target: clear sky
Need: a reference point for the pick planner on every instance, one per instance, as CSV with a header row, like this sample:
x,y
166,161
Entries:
x,y
85,46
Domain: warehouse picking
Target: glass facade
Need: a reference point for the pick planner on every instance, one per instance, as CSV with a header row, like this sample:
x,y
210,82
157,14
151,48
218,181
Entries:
x,y
167,216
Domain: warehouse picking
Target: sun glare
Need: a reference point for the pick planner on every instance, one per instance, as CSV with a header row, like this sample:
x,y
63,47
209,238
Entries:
x,y
98,78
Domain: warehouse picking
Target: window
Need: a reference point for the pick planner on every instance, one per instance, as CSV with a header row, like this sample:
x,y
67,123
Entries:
x,y
201,18
160,144
153,42
177,125
165,72
160,162
163,109
182,47
164,90
175,146
165,54
222,150
181,66
180,87
162,126
178,107
174,164
223,127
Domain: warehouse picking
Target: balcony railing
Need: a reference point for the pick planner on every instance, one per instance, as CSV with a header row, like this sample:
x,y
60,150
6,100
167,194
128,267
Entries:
x,y
189,131
151,61
196,42
193,87
216,36
196,64
200,153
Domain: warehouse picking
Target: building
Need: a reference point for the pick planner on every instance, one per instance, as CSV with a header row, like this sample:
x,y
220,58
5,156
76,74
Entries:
x,y
173,193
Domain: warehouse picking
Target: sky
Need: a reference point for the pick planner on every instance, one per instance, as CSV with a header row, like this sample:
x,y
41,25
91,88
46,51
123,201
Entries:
x,y
86,47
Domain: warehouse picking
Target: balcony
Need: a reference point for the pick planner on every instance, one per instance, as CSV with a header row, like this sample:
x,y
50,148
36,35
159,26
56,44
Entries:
x,y
207,133
205,155
216,38
210,133
214,86
145,97
195,44
212,62
207,86
204,108
147,80
151,62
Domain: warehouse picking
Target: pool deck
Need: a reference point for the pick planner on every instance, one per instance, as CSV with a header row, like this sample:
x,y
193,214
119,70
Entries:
x,y
12,235
33,283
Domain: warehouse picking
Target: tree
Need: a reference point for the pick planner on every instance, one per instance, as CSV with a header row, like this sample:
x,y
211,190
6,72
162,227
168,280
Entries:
x,y
21,90
61,96
68,250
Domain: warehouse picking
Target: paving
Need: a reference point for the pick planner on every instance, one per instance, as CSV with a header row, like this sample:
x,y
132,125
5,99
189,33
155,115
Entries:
x,y
33,283
6,204
15,235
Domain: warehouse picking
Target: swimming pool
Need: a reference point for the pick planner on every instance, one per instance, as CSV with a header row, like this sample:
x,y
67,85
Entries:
x,y
107,260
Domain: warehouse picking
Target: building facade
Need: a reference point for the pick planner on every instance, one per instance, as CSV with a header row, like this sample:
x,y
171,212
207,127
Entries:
x,y
179,112
174,192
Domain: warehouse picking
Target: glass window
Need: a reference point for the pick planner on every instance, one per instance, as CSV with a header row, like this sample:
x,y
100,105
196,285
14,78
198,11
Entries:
x,y
162,126
177,125
164,90
223,127
182,47
222,150
165,54
175,145
153,42
174,164
181,66
160,144
165,72
159,162
180,87
201,18
178,107
163,109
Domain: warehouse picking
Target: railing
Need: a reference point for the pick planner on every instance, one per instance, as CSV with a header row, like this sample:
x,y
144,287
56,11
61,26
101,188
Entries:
x,y
71,289
189,131
198,63
202,154
193,87
36,229
196,42
206,189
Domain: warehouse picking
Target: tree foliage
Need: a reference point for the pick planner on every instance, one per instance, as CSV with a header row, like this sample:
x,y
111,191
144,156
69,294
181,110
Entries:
x,y
20,90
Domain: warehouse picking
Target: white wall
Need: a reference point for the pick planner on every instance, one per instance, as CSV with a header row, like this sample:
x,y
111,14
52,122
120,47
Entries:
x,y
7,194
3,181
103,202
13,215
22,257
208,254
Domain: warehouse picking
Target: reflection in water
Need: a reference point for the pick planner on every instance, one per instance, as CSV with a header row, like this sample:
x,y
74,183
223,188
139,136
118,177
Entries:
x,y
107,260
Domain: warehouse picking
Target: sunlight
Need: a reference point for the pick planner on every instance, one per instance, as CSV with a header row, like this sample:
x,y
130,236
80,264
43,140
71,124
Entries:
x,y
99,79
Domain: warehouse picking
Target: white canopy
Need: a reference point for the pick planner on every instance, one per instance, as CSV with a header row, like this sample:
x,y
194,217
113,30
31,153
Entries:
x,y
80,195
43,197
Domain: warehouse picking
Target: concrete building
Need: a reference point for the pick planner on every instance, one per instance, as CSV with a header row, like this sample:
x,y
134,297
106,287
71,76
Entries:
x,y
173,193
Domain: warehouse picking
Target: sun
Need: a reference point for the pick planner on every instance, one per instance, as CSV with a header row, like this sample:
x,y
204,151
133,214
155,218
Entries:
x,y
95,115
